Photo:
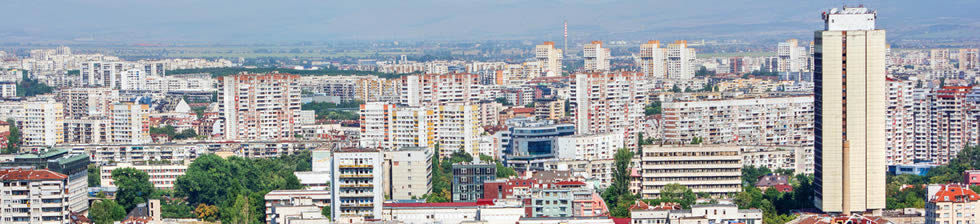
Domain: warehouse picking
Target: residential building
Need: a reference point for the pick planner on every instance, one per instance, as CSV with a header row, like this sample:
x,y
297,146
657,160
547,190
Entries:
x,y
750,121
712,169
549,58
596,57
42,124
681,61
653,60
34,196
373,89
609,103
850,134
468,179
481,211
641,213
549,109
900,124
551,202
796,158
8,89
130,123
375,120
259,106
971,177
439,89
969,58
293,206
589,147
453,126
356,190
457,127
409,172
162,175
792,60
952,204
74,165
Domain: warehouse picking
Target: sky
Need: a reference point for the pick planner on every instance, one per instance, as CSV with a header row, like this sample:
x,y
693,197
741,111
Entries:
x,y
253,21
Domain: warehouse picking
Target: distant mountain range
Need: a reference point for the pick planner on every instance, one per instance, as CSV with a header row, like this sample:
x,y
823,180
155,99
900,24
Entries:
x,y
254,21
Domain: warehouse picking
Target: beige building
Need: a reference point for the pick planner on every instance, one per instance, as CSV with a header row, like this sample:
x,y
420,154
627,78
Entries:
x,y
949,204
549,109
408,172
42,124
549,58
713,169
83,102
750,121
653,59
162,176
130,123
452,126
850,112
609,103
596,57
681,61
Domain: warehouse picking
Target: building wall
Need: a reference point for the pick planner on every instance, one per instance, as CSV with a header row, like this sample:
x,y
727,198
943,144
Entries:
x,y
356,183
411,173
259,107
714,169
161,176
42,124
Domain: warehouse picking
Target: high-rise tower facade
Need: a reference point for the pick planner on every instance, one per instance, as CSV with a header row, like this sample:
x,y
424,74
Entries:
x,y
850,109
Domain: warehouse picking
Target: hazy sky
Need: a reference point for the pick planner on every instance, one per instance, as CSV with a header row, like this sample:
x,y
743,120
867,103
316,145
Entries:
x,y
251,21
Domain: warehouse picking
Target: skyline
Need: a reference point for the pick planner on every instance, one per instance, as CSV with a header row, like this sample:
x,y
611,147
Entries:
x,y
182,21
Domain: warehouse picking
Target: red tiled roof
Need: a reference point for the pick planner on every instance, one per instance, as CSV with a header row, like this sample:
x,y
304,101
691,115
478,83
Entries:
x,y
30,174
523,110
783,188
622,220
954,193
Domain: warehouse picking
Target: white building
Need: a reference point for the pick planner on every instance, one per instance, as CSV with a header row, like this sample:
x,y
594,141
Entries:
x,y
713,169
356,184
749,121
34,196
700,213
8,89
653,60
162,176
499,211
596,57
681,61
84,102
589,146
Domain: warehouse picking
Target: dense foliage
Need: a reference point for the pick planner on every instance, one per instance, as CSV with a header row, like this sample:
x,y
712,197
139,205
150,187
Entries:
x,y
442,175
675,193
30,87
13,140
133,185
235,70
776,206
237,185
618,196
907,191
332,111
105,211
653,108
93,176
172,133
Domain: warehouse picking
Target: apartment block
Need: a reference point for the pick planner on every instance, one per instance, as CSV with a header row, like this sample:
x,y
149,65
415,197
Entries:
x,y
549,58
900,124
952,204
130,123
162,176
74,165
653,60
681,61
596,57
589,147
373,89
609,103
712,169
468,179
42,124
357,184
409,172
259,106
549,109
440,89
749,121
34,196
85,102
8,89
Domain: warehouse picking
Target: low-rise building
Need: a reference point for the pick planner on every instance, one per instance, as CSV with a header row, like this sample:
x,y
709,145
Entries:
x,y
481,211
162,175
713,169
468,180
288,206
641,213
356,184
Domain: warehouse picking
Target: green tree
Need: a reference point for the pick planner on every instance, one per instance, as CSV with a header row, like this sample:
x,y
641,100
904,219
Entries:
x,y
13,140
185,134
134,187
696,140
618,196
106,211
326,212
653,108
503,101
504,171
30,87
94,176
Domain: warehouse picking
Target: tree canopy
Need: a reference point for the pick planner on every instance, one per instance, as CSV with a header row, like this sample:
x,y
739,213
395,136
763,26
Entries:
x,y
618,196
134,187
